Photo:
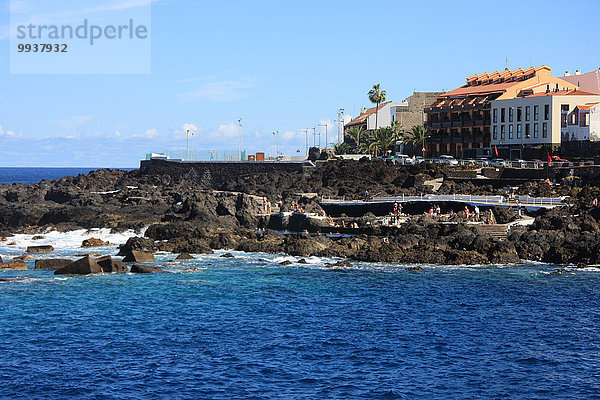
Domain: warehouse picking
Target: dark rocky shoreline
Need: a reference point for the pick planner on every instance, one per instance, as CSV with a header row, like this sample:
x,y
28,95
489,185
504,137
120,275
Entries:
x,y
198,216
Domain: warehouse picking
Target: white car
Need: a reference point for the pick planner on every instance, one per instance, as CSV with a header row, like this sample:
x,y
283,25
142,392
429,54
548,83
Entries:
x,y
403,159
448,160
498,162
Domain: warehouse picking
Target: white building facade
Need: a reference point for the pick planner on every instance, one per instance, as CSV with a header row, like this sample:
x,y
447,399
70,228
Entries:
x,y
536,119
581,124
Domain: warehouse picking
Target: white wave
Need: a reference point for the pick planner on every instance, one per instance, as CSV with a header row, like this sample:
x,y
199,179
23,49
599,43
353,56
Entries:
x,y
66,241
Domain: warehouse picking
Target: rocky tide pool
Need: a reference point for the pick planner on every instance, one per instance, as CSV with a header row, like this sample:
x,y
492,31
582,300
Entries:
x,y
248,327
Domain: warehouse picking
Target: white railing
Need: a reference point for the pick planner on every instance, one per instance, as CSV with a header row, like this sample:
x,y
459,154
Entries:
x,y
465,198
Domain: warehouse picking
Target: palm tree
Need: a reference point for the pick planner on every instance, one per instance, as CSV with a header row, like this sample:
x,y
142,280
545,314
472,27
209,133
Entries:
x,y
377,96
341,148
355,133
398,129
417,135
384,139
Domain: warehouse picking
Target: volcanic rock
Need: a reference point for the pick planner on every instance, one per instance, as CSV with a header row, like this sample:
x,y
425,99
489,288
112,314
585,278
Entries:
x,y
40,249
286,263
340,264
227,255
139,256
53,264
184,256
83,266
145,269
109,264
93,242
16,264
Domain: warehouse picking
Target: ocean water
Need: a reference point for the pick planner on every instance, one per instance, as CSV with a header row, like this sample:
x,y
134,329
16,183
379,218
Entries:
x,y
249,328
34,174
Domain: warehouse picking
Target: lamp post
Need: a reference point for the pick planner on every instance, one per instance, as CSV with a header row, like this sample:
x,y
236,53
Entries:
x,y
240,140
325,125
305,139
314,134
276,143
187,145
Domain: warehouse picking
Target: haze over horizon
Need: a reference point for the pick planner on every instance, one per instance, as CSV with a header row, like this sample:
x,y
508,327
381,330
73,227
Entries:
x,y
280,66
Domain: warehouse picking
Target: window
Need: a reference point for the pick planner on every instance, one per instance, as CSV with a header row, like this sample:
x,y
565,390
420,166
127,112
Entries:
x,y
563,121
584,120
502,115
495,137
536,130
574,120
511,128
546,112
545,130
510,114
527,112
527,132
519,114
536,112
495,118
519,131
564,107
502,131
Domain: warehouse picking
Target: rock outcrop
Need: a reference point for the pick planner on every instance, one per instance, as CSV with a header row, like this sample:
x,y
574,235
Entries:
x,y
40,249
15,264
146,269
52,264
139,256
83,266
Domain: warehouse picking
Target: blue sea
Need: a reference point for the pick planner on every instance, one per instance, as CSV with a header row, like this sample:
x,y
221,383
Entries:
x,y
36,174
249,328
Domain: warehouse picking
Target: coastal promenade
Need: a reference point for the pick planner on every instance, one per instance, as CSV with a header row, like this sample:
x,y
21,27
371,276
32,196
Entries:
x,y
531,203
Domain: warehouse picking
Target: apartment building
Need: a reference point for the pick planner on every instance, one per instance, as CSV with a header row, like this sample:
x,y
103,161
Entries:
x,y
532,120
462,118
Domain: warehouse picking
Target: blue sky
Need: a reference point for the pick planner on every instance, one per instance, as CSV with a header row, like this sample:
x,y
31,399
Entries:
x,y
279,65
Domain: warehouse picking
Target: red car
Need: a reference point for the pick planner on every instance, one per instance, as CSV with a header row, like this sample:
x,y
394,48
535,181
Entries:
x,y
557,158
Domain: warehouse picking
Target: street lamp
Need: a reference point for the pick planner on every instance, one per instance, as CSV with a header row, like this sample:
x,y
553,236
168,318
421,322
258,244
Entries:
x,y
240,140
325,125
189,145
276,143
305,139
314,135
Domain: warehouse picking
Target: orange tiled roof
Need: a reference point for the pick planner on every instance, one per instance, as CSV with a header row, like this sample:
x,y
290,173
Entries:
x,y
363,116
571,92
587,106
494,82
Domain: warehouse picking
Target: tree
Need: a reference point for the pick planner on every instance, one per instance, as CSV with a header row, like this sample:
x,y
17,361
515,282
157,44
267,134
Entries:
x,y
356,133
384,139
377,96
341,148
398,129
417,134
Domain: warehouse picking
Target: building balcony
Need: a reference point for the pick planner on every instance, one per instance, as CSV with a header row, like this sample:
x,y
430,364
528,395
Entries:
x,y
446,124
456,124
435,125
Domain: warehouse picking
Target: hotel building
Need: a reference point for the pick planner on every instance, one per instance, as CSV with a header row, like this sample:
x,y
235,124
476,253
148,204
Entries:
x,y
462,118
544,119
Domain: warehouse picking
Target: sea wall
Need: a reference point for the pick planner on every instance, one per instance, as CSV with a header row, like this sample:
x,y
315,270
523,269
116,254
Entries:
x,y
215,171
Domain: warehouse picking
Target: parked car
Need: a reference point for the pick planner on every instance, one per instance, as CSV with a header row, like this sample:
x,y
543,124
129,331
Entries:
x,y
448,160
519,163
498,162
557,158
404,159
484,162
419,160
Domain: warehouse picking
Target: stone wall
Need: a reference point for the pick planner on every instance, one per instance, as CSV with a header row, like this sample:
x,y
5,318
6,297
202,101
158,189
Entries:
x,y
211,172
413,114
